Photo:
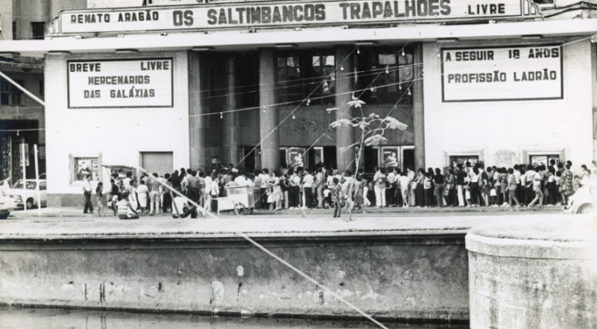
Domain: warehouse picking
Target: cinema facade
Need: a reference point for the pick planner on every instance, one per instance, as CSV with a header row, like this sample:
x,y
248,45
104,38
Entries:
x,y
256,83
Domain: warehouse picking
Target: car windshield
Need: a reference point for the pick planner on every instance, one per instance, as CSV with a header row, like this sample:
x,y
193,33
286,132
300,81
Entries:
x,y
29,185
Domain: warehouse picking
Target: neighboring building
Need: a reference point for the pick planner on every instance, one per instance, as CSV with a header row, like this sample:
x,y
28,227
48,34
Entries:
x,y
22,119
185,84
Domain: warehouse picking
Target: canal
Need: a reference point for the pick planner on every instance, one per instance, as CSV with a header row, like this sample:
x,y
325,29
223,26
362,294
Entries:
x,y
49,318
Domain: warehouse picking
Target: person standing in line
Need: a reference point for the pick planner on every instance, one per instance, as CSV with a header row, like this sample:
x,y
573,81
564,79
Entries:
x,y
460,176
529,177
308,188
439,182
193,186
336,192
256,189
359,190
113,196
264,184
87,194
390,187
154,195
319,182
284,186
380,187
537,188
126,182
99,191
142,193
201,178
512,186
167,195
404,184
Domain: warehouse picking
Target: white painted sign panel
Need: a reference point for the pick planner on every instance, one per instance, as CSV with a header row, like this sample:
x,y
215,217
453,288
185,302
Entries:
x,y
285,13
121,83
502,73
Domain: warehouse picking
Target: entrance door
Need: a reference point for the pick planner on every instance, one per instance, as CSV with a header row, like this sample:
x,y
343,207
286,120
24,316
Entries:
x,y
408,158
248,155
157,162
315,157
371,159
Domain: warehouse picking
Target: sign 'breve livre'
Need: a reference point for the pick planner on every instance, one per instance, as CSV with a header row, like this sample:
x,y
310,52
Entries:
x,y
287,13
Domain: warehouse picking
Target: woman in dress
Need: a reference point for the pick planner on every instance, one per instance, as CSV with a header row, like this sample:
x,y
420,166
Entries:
x,y
274,192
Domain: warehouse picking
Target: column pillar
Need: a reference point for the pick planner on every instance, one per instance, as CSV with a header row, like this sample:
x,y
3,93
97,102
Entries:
x,y
196,138
268,114
345,136
230,136
419,108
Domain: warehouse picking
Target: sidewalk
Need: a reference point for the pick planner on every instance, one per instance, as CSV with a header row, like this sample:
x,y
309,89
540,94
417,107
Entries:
x,y
370,211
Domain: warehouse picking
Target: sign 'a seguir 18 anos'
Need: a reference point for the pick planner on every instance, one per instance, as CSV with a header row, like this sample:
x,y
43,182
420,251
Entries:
x,y
123,83
502,73
282,13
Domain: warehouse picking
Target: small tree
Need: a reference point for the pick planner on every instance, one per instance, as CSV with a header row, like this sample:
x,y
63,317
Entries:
x,y
372,129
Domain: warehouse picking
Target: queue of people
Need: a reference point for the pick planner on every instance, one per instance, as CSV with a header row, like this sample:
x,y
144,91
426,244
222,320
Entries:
x,y
462,185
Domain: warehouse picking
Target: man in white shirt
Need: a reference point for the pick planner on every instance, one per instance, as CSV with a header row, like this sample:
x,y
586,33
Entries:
x,y
308,188
87,195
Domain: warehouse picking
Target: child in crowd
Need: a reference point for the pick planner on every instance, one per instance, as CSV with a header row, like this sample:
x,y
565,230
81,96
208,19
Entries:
x,y
99,190
337,197
327,197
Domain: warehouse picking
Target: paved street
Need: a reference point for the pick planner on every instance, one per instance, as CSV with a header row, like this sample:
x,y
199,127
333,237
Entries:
x,y
71,223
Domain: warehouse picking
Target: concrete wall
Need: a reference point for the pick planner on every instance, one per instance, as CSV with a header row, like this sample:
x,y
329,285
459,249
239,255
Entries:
x,y
502,129
533,276
400,276
117,134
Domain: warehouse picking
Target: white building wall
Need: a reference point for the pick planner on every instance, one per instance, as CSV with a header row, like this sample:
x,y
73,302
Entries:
x,y
501,131
113,3
119,135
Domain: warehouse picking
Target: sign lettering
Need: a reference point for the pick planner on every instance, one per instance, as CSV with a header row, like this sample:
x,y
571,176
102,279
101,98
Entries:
x,y
239,15
490,74
120,83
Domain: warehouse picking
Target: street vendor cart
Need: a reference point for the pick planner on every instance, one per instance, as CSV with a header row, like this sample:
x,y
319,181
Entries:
x,y
240,199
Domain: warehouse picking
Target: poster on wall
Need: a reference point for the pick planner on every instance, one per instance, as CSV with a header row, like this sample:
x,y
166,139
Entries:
x,y
122,83
502,73
390,157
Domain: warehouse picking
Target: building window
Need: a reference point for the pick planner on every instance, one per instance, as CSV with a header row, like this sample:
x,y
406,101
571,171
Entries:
x,y
385,76
14,30
306,75
10,94
38,30
86,165
463,159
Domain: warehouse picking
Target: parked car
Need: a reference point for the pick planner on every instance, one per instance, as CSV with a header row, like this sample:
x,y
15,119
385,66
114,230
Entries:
x,y
27,195
584,201
7,204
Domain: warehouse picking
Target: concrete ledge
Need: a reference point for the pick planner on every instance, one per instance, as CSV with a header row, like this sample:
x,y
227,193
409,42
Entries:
x,y
536,274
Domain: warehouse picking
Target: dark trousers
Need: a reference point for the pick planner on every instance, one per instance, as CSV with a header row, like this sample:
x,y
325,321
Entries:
x,y
475,193
390,195
337,209
420,198
294,195
264,198
88,205
308,197
194,194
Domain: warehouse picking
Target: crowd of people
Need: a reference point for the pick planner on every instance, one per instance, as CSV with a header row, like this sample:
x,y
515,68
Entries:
x,y
461,185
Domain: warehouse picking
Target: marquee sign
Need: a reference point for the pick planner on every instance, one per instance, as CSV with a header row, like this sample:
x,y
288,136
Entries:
x,y
502,74
122,83
285,13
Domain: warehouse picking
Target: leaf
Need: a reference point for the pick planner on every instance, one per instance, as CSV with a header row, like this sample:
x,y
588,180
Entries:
x,y
373,116
356,103
394,124
375,140
340,123
331,109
